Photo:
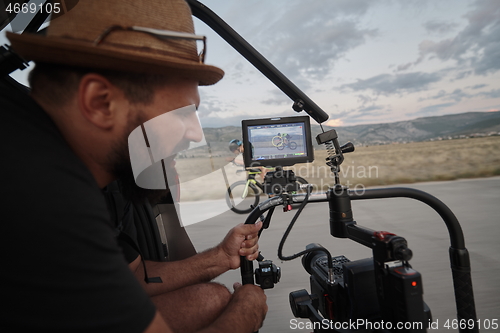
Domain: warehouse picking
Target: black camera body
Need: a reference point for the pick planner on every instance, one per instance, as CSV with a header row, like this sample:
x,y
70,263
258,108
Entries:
x,y
352,294
280,181
355,294
267,275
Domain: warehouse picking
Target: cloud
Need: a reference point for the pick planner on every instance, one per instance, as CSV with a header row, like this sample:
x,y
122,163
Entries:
x,y
283,100
462,75
477,45
217,121
495,93
364,99
430,110
338,115
439,27
277,98
237,72
403,67
458,95
440,94
370,109
314,57
363,114
478,86
335,122
387,84
213,105
360,113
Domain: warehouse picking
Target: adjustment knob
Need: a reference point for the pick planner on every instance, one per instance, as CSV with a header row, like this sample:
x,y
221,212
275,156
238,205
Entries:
x,y
347,148
298,303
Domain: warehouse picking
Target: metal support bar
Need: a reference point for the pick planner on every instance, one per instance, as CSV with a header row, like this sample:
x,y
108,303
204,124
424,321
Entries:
x,y
255,58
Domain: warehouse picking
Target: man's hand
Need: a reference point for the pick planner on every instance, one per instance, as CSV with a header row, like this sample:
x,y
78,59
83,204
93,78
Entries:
x,y
204,266
240,241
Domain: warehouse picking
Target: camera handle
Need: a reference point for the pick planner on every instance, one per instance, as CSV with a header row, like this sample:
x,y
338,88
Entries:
x,y
459,256
399,288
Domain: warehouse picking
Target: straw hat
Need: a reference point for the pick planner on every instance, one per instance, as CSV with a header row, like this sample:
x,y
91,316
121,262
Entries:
x,y
71,39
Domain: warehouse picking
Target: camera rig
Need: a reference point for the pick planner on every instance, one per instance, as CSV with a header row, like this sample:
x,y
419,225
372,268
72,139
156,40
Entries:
x,y
382,289
394,282
459,256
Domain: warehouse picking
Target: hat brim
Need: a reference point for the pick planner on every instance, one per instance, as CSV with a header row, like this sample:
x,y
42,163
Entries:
x,y
67,51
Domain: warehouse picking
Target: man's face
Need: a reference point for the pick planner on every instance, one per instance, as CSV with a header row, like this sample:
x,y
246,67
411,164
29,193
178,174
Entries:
x,y
182,128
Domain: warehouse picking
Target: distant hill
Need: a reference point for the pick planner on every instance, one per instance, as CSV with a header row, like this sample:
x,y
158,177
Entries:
x,y
420,129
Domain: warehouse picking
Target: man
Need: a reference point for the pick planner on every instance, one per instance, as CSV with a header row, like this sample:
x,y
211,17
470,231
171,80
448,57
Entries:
x,y
100,75
236,147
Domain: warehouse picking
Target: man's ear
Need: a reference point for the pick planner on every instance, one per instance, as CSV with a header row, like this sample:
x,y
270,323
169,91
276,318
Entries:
x,y
99,101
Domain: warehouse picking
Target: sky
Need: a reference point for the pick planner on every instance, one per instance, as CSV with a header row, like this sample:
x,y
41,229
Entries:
x,y
361,61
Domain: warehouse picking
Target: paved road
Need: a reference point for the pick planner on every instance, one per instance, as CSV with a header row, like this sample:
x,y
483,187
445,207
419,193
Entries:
x,y
476,203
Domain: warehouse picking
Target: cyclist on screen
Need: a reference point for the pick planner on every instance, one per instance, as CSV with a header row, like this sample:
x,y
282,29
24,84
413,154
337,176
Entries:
x,y
236,147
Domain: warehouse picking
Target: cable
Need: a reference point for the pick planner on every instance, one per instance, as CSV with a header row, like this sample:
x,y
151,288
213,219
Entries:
x,y
289,228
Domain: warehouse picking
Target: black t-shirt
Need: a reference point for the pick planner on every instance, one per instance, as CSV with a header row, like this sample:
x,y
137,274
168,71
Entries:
x,y
122,217
61,269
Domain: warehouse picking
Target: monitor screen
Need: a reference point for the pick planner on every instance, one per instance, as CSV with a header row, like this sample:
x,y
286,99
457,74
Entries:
x,y
274,142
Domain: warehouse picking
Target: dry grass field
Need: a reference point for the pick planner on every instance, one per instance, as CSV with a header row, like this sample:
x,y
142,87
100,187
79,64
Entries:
x,y
367,166
412,162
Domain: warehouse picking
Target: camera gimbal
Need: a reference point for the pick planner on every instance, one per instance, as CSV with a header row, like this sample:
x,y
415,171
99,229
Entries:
x,y
340,225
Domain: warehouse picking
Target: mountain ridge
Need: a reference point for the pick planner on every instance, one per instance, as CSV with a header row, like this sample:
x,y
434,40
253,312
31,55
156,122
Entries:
x,y
419,129
423,129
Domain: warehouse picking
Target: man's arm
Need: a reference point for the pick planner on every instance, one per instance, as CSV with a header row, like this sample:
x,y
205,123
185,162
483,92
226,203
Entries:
x,y
244,314
238,160
202,267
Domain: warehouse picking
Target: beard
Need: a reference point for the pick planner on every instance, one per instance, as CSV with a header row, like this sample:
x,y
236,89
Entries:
x,y
120,166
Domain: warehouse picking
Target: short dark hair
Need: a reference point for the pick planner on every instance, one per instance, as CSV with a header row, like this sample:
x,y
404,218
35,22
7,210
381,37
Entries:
x,y
55,83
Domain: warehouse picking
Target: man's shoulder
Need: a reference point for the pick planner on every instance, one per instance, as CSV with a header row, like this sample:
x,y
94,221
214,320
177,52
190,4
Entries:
x,y
12,92
21,117
27,131
40,165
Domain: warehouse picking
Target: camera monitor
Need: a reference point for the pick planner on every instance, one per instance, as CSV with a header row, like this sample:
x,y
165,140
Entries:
x,y
274,142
